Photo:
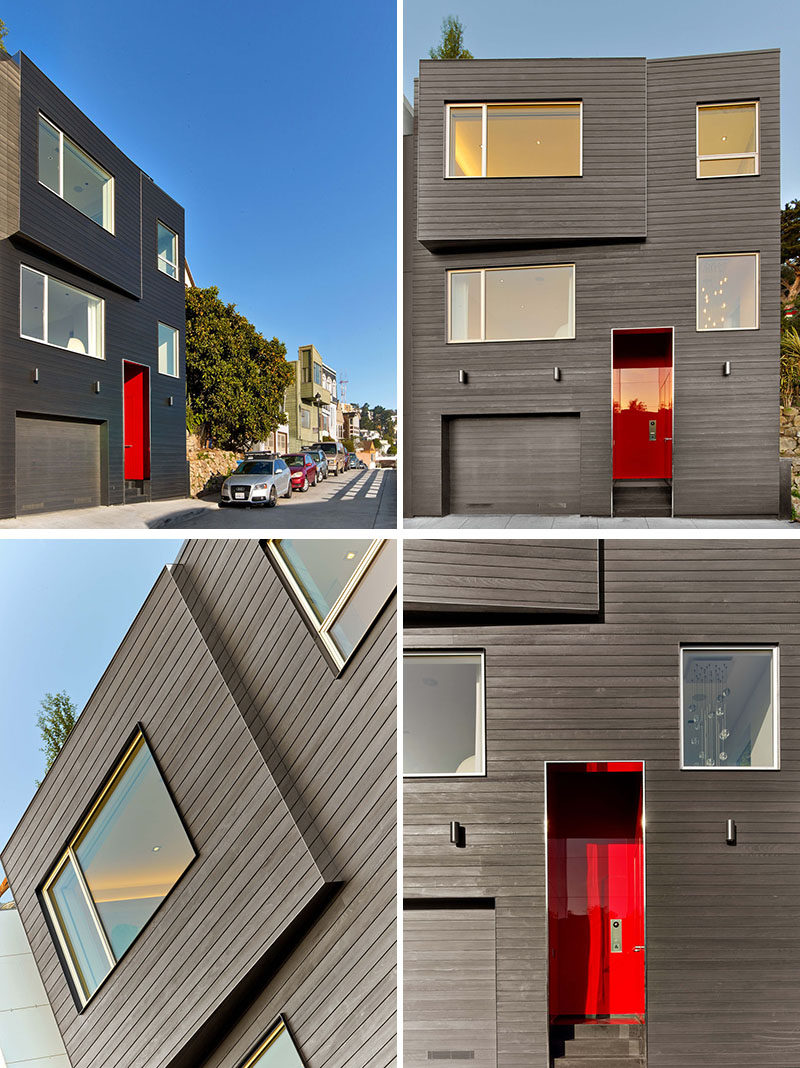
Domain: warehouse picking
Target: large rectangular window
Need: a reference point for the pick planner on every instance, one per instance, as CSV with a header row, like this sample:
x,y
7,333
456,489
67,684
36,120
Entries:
x,y
727,140
168,350
276,1051
511,303
74,176
59,314
516,140
167,250
727,292
126,856
443,713
729,707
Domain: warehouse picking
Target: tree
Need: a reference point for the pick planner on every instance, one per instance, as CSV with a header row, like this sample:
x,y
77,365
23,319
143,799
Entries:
x,y
452,46
55,720
349,444
790,364
790,254
235,378
3,35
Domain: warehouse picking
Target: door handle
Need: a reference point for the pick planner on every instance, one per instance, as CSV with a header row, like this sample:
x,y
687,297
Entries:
x,y
638,949
667,439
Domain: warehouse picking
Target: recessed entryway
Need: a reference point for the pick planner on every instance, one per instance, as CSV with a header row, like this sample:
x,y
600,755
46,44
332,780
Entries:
x,y
136,430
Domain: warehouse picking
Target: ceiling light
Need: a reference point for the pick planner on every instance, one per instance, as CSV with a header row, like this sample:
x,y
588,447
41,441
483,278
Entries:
x,y
351,556
156,848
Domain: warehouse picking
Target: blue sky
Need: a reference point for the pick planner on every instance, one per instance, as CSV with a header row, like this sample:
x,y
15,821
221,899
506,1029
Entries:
x,y
66,607
623,28
274,124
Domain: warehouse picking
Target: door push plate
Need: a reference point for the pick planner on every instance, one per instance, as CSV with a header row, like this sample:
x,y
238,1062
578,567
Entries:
x,y
616,936
652,430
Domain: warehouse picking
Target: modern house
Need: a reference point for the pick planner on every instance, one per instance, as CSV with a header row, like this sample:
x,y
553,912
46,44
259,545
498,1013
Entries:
x,y
592,287
602,751
92,384
311,400
207,874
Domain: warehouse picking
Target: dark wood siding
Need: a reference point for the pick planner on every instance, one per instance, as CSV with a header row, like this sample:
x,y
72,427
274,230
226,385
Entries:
x,y
457,574
723,924
9,146
58,464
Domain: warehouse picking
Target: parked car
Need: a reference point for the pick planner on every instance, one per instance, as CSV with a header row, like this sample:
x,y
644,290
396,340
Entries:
x,y
321,460
257,481
361,466
336,453
352,461
304,470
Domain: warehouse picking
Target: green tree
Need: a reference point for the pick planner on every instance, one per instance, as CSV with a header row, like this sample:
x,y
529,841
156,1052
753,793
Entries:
x,y
55,720
3,35
790,254
349,444
790,364
452,44
235,378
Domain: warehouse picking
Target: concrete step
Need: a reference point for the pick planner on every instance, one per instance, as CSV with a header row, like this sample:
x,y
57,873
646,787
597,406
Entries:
x,y
598,1062
604,1047
642,499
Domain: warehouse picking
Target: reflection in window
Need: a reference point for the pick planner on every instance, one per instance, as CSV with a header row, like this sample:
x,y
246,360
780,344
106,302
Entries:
x,y
443,714
167,250
512,304
124,860
727,140
276,1051
534,140
729,707
342,583
167,350
727,292
60,315
75,177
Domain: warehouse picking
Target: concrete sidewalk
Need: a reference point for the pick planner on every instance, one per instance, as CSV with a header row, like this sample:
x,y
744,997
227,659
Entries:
x,y
583,522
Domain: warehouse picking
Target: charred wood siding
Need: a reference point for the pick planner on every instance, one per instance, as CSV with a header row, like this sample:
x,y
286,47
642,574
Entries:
x,y
723,924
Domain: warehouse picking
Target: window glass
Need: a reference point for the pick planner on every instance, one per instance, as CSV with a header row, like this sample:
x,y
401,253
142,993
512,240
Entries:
x,y
74,319
727,139
317,375
71,174
255,467
359,611
323,568
443,714
32,304
167,350
465,306
466,136
520,304
305,418
49,155
723,168
729,708
727,292
167,251
278,1051
80,931
533,140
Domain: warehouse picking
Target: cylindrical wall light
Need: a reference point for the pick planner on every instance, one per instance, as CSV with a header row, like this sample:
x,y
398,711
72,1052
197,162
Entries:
x,y
457,835
730,833
36,374
463,377
170,401
97,387
557,374
726,368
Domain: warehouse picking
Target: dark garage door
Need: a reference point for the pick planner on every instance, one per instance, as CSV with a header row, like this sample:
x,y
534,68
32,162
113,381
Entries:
x,y
506,464
449,1000
58,464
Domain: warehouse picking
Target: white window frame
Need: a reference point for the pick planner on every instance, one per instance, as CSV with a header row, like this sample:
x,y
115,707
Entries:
x,y
323,627
726,329
62,137
177,334
45,309
483,340
480,726
484,127
731,155
776,718
168,263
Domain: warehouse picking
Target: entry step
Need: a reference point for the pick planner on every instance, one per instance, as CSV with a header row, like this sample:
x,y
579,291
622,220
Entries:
x,y
642,499
597,1044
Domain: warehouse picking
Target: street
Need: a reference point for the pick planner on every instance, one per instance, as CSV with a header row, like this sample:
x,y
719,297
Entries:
x,y
365,499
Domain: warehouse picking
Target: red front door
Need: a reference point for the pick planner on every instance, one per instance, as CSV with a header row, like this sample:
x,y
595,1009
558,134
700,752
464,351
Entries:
x,y
136,421
595,857
642,404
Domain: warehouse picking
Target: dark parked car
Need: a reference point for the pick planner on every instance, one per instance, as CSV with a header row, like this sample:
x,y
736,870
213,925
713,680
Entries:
x,y
336,454
257,481
352,461
304,470
321,461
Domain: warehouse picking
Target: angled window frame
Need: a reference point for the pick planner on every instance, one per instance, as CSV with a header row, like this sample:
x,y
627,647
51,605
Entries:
x,y
275,1030
734,647
704,158
757,297
484,106
417,653
101,306
62,137
482,271
164,265
68,856
323,627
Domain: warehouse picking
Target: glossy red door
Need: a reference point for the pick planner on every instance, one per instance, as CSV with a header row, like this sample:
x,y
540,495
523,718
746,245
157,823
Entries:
x,y
595,890
642,405
136,421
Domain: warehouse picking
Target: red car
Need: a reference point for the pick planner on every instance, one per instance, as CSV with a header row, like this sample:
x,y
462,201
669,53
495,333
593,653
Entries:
x,y
303,468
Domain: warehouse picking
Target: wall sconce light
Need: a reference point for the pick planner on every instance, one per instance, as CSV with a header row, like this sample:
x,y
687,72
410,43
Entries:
x,y
36,374
463,377
458,834
730,833
170,401
726,368
97,387
557,374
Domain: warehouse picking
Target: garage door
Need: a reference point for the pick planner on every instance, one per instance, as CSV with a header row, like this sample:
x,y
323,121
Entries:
x,y
58,464
506,464
449,999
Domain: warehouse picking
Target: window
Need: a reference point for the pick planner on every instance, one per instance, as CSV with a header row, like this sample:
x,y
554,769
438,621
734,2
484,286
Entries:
x,y
276,1051
537,140
443,713
305,418
342,583
167,250
727,140
511,303
72,175
729,707
127,855
317,375
61,315
168,350
727,292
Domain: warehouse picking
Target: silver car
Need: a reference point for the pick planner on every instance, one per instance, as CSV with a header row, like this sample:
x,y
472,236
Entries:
x,y
257,482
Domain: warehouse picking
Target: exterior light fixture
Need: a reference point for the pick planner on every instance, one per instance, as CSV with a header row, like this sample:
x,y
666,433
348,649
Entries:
x,y
170,401
557,374
730,833
726,368
463,377
36,374
458,836
97,387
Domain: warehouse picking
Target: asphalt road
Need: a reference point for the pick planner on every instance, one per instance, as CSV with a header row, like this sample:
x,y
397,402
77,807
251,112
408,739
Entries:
x,y
355,499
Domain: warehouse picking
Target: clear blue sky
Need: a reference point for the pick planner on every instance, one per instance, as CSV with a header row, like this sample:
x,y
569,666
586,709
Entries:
x,y
66,607
521,28
274,124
